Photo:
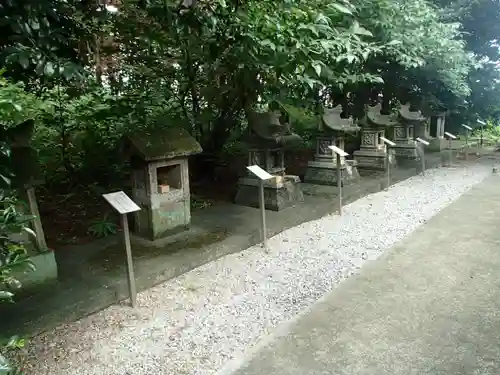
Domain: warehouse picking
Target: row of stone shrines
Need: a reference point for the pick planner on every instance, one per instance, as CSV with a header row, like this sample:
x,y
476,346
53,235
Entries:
x,y
160,161
270,133
160,175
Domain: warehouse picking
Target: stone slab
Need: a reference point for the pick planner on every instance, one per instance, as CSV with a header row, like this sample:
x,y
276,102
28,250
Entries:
x,y
45,273
370,159
406,151
276,198
328,176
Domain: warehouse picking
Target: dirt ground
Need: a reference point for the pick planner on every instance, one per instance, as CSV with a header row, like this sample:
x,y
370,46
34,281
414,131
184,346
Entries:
x,y
68,212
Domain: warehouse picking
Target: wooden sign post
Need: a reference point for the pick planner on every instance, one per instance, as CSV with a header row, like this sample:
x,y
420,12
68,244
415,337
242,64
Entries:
x,y
388,160
450,152
422,143
262,175
482,123
340,153
467,130
124,205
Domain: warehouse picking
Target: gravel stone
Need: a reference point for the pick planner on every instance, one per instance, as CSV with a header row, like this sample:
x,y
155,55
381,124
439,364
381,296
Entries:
x,y
196,323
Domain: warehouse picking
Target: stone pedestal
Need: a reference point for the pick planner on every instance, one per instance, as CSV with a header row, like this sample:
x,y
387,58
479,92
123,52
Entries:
x,y
45,273
423,131
371,159
323,170
372,154
322,173
279,193
436,132
437,144
406,147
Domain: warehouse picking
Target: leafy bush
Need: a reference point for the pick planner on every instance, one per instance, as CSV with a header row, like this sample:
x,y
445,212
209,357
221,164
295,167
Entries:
x,y
102,227
491,133
13,257
15,106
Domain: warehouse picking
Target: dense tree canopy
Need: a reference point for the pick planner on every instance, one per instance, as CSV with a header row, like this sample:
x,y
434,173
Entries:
x,y
204,64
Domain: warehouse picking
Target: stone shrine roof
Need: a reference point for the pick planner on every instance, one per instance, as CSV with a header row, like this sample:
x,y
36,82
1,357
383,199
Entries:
x,y
163,144
268,127
331,119
438,110
409,115
18,136
374,117
23,157
25,167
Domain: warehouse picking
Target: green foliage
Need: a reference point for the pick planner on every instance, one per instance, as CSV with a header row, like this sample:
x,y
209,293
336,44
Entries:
x,y
42,39
15,106
13,258
102,228
490,133
432,57
157,64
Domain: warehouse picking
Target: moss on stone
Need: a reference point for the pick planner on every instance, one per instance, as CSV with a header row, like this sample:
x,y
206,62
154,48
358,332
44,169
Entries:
x,y
164,144
25,167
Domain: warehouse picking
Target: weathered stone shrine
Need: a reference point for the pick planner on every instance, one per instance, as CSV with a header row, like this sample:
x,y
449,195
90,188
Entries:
x,y
160,181
373,152
332,130
26,176
436,131
409,120
268,135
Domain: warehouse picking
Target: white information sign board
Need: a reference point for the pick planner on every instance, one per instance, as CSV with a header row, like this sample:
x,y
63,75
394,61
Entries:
x,y
450,135
389,142
467,127
424,142
121,202
338,151
259,172
124,205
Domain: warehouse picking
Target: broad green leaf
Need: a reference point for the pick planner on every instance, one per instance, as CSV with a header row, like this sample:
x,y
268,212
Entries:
x,y
341,8
5,295
393,42
24,61
317,69
359,30
49,69
34,25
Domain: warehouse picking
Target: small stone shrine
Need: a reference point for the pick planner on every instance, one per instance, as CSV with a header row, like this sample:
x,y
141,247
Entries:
x,y
268,135
332,129
26,176
160,181
373,152
409,120
437,122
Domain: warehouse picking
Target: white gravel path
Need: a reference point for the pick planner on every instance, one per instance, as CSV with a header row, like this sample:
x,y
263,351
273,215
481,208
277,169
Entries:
x,y
197,322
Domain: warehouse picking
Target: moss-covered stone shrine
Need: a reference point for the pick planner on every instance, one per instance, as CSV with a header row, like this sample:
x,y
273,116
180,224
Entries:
x,y
373,152
332,130
160,181
268,135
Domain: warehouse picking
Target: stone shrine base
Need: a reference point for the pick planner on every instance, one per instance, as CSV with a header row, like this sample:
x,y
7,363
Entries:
x,y
437,144
406,151
371,159
277,194
324,173
45,273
